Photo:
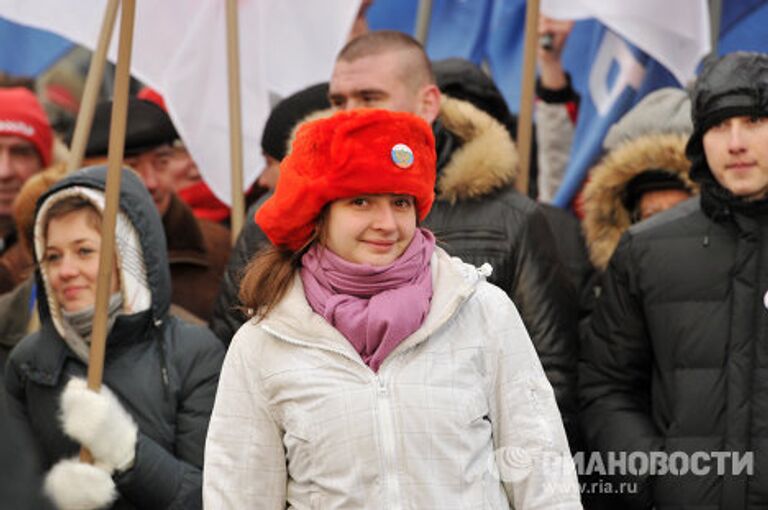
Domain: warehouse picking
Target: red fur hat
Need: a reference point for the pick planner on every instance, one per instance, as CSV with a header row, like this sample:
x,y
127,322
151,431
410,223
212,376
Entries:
x,y
352,153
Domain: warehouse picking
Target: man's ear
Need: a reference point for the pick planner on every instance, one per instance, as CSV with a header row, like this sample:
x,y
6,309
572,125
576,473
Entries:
x,y
429,103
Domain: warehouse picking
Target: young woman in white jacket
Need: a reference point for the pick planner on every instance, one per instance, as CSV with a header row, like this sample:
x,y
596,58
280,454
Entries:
x,y
377,371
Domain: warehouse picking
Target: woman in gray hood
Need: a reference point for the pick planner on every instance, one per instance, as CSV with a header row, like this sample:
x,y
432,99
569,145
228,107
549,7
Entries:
x,y
146,428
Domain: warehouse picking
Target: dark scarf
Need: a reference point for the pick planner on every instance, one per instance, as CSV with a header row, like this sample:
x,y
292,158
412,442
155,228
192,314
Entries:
x,y
79,325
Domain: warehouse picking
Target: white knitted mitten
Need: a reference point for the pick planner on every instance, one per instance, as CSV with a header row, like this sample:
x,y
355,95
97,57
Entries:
x,y
99,422
72,485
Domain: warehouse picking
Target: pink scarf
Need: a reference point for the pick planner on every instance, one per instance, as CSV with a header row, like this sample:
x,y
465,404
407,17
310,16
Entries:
x,y
374,307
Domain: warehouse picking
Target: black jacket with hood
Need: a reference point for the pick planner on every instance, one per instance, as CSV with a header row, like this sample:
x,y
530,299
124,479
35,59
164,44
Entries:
x,y
479,217
163,371
676,359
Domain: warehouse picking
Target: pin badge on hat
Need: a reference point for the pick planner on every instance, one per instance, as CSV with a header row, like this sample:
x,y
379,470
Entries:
x,y
402,155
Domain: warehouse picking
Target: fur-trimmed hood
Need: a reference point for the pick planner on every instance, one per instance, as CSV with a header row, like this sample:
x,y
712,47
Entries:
x,y
605,216
487,158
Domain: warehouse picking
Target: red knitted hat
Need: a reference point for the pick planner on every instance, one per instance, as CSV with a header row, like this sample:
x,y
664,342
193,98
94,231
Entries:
x,y
21,115
352,153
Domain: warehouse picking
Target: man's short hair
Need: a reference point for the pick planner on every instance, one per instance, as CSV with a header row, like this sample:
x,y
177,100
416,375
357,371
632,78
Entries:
x,y
418,67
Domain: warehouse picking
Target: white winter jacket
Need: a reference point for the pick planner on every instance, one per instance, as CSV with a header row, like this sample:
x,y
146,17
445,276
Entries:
x,y
301,422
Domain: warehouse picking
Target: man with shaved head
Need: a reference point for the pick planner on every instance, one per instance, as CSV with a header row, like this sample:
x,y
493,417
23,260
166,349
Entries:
x,y
478,215
385,70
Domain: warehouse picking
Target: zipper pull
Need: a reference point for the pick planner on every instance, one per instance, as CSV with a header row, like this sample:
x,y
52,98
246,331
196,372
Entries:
x,y
382,386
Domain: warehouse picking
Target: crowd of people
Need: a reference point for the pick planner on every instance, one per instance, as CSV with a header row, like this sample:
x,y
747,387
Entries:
x,y
396,326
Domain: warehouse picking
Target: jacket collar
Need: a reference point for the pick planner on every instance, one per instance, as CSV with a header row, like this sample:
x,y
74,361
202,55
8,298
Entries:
x,y
44,362
483,157
453,283
183,234
720,205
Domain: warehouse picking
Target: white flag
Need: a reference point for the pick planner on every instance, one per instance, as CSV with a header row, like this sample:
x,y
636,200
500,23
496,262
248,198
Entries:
x,y
180,50
674,32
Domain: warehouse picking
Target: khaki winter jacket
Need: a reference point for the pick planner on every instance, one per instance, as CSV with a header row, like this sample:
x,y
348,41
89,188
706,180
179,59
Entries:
x,y
300,421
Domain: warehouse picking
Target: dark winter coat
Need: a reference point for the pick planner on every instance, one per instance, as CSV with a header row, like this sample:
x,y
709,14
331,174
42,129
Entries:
x,y
677,358
480,218
164,372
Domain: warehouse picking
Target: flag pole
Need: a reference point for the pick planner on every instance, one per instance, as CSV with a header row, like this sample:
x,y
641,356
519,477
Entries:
x,y
112,195
235,120
91,91
715,18
525,121
423,17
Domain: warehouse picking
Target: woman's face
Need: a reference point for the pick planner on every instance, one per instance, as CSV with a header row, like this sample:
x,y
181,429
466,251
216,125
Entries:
x,y
71,260
370,229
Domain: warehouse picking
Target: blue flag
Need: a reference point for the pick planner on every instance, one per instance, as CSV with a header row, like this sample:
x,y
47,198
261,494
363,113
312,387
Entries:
x,y
742,26
504,49
28,51
489,31
611,76
448,19
397,15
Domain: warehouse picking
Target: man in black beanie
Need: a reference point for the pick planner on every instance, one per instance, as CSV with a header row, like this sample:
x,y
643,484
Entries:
x,y
674,372
282,120
275,141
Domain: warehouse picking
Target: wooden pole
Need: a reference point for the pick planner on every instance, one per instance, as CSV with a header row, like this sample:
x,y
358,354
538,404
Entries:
x,y
112,196
423,17
715,15
91,91
235,120
525,120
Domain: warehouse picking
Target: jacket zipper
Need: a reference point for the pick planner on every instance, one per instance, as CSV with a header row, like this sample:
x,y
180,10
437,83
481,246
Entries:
x,y
384,415
384,408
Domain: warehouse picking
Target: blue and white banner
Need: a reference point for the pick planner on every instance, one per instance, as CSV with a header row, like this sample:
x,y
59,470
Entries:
x,y
612,75
28,51
609,72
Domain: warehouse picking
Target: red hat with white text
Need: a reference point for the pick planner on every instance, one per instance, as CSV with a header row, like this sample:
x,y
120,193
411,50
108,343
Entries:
x,y
22,115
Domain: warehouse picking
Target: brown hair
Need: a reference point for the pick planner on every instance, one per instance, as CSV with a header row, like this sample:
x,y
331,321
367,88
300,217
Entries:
x,y
416,67
72,204
266,280
270,273
25,201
